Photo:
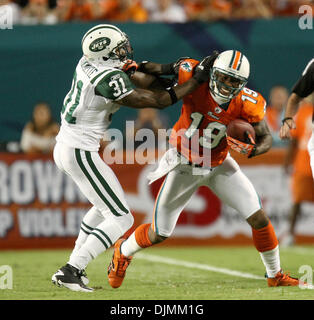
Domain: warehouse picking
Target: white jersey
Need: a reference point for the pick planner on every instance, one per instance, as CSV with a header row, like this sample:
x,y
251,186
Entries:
x,y
89,105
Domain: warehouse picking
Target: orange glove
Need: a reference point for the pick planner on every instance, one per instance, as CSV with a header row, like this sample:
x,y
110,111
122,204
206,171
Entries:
x,y
130,67
248,147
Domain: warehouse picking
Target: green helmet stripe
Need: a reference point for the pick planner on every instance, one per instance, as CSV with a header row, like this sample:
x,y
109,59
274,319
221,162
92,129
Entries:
x,y
101,27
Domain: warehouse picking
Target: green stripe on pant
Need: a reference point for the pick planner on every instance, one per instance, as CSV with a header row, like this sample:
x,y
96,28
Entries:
x,y
104,183
108,239
100,239
92,182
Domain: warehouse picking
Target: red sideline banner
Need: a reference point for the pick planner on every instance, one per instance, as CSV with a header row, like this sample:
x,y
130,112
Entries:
x,y
42,208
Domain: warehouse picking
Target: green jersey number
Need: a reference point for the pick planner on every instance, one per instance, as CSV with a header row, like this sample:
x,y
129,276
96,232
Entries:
x,y
78,85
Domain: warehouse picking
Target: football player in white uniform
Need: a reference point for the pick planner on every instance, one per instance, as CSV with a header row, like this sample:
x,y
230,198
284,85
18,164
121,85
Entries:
x,y
99,88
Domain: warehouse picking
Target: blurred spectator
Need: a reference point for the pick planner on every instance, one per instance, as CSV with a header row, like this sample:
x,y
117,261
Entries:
x,y
122,11
38,135
208,10
151,119
302,184
150,6
288,7
107,9
168,11
251,9
283,7
38,12
72,10
15,9
194,8
153,10
278,98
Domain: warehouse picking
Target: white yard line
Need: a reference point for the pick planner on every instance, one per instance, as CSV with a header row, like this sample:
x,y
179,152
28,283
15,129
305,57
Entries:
x,y
206,267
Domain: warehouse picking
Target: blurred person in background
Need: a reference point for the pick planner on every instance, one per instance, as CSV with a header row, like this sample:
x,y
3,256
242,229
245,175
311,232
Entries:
x,y
122,11
288,7
278,98
298,159
14,7
213,10
168,11
193,8
147,119
302,89
283,7
75,10
251,9
208,10
38,12
39,134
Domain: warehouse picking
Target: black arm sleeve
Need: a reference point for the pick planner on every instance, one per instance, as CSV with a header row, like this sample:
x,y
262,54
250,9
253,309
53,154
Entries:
x,y
305,85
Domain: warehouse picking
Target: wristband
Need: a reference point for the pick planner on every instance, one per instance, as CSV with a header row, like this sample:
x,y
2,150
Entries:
x,y
285,119
173,95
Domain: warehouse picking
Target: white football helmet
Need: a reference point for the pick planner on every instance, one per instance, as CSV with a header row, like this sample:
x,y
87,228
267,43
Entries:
x,y
229,75
106,45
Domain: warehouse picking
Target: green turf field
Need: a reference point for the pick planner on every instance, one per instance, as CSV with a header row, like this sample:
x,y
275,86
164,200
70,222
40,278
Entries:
x,y
158,273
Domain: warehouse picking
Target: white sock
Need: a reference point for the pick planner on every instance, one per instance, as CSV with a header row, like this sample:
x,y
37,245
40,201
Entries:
x,y
130,246
271,261
101,238
91,219
81,258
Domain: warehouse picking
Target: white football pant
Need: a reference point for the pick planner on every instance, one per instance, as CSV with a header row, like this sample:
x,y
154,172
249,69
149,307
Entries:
x,y
96,181
227,181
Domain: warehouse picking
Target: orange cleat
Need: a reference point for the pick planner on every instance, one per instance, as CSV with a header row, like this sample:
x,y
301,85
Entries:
x,y
118,265
282,279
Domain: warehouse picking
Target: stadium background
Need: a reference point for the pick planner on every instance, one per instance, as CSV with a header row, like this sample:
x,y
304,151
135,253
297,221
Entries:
x,y
40,208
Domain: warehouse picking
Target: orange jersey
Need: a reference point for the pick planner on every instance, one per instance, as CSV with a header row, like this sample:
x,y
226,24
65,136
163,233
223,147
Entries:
x,y
302,134
200,133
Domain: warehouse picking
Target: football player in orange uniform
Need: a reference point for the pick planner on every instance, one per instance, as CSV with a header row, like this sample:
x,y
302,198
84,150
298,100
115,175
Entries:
x,y
302,184
200,156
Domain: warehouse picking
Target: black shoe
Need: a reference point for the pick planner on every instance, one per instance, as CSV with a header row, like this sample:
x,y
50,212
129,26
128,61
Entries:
x,y
83,275
70,277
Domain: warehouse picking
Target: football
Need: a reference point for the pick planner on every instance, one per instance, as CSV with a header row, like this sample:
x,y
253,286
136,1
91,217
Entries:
x,y
236,129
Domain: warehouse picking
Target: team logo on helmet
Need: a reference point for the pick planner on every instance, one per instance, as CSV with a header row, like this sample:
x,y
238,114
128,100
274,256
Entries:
x,y
99,44
186,66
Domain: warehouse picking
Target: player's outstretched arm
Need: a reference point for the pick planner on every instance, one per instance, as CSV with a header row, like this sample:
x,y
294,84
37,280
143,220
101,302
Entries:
x,y
288,122
263,138
159,69
148,81
160,99
169,68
